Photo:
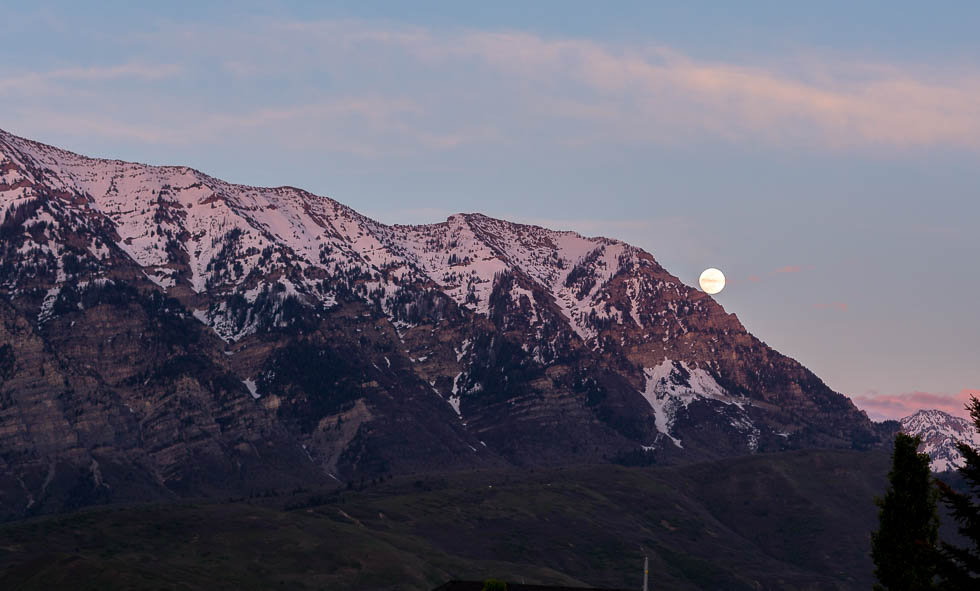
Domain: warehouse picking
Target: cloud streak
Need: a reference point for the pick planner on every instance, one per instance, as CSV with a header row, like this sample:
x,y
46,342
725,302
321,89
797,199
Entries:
x,y
839,306
790,269
469,87
887,105
834,103
43,81
896,406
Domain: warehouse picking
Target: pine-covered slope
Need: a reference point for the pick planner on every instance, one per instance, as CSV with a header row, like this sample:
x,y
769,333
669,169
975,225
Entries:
x,y
203,337
940,432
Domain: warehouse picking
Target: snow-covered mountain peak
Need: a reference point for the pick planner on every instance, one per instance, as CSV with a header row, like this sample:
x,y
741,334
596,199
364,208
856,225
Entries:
x,y
352,335
940,432
179,224
466,252
189,231
183,226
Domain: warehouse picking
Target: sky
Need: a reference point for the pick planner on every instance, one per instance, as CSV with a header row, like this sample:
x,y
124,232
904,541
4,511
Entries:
x,y
823,155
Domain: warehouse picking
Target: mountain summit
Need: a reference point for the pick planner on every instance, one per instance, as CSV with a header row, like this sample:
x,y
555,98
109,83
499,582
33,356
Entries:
x,y
940,432
166,333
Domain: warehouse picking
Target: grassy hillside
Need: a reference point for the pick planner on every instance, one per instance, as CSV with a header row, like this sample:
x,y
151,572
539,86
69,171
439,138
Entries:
x,y
797,520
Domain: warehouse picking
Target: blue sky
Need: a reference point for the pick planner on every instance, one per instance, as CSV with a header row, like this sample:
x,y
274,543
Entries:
x,y
824,157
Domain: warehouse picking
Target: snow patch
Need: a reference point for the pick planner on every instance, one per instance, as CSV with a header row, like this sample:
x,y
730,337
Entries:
x,y
47,306
454,402
252,388
671,386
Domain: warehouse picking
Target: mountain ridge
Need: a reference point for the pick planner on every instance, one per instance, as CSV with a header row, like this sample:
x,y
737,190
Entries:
x,y
239,316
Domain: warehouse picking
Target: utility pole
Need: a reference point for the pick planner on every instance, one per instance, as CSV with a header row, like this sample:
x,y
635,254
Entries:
x,y
646,572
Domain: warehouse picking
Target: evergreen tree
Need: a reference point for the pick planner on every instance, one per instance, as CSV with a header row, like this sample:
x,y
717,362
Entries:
x,y
960,568
904,547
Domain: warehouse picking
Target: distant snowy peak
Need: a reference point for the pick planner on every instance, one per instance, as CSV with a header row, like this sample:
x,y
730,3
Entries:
x,y
940,432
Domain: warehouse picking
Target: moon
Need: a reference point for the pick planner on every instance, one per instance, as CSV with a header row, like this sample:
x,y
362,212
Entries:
x,y
712,281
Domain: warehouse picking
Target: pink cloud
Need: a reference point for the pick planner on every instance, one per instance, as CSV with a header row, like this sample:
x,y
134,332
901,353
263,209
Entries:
x,y
896,406
790,269
631,91
128,70
842,306
41,82
492,86
845,103
372,116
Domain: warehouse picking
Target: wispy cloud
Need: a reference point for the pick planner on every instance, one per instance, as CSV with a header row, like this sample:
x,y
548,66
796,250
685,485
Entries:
x,y
469,87
839,306
129,70
896,406
351,125
42,81
833,102
789,269
885,105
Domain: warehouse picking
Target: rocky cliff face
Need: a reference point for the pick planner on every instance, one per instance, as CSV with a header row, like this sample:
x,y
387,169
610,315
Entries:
x,y
167,333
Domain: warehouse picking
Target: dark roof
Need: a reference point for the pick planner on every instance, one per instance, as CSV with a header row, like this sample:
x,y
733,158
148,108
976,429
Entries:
x,y
478,586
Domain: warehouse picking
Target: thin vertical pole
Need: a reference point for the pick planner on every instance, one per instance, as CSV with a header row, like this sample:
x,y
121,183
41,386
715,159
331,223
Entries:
x,y
646,573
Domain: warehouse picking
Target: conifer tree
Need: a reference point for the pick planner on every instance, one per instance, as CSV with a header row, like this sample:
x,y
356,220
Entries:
x,y
960,567
904,547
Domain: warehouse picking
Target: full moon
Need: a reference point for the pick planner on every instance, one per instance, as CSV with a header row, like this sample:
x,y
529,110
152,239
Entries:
x,y
712,281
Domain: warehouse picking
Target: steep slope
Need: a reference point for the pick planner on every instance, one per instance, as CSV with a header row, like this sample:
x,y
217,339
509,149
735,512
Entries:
x,y
639,321
284,327
940,432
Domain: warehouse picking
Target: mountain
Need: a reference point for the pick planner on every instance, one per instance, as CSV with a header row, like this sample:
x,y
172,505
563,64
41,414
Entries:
x,y
165,334
940,432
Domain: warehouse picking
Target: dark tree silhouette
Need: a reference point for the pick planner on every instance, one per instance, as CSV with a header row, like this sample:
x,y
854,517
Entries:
x,y
960,567
904,547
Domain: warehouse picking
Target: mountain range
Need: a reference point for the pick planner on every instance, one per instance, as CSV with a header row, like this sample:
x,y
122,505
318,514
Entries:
x,y
166,334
